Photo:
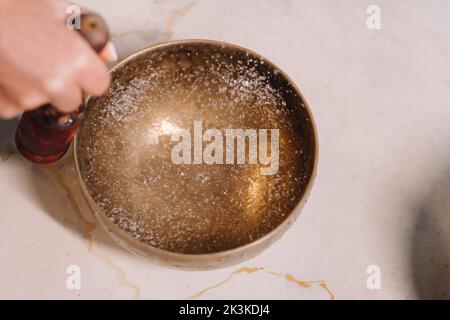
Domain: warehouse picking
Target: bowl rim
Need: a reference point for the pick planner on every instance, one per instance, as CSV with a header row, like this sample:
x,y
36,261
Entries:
x,y
279,230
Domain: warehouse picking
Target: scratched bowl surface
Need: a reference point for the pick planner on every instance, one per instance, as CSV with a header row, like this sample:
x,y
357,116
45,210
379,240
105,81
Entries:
x,y
125,145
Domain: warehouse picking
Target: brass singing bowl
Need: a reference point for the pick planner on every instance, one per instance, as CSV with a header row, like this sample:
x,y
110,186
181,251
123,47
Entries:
x,y
195,215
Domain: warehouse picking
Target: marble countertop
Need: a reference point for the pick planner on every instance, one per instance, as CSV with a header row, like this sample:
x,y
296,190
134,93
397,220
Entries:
x,y
381,101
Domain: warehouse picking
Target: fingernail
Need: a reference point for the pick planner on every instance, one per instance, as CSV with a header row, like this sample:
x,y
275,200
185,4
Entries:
x,y
109,53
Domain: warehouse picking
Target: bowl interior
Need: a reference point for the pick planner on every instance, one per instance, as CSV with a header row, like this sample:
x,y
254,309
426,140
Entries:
x,y
197,147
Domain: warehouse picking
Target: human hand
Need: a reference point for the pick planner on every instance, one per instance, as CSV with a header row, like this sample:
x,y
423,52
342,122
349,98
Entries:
x,y
42,61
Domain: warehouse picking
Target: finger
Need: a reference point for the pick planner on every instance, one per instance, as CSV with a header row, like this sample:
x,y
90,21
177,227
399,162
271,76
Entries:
x,y
23,94
93,76
7,113
64,97
33,100
7,109
27,99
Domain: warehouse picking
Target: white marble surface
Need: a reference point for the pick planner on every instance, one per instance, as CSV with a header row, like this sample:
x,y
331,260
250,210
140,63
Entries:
x,y
381,100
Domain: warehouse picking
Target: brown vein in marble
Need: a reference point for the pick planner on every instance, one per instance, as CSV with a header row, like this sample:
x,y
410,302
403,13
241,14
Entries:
x,y
305,283
242,270
89,227
288,277
175,15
